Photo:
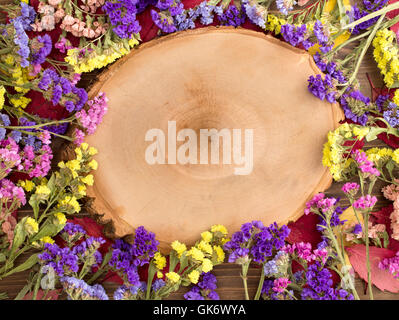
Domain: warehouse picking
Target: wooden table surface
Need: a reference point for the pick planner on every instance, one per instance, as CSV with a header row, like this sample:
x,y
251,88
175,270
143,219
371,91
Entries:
x,y
228,275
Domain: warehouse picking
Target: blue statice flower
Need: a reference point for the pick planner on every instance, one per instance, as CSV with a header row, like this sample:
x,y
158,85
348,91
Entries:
x,y
391,115
122,15
158,284
354,105
72,232
380,101
330,68
369,6
277,266
322,88
87,251
321,34
205,12
163,22
319,285
126,293
164,4
231,17
78,289
21,39
28,16
357,229
255,13
185,20
62,260
284,6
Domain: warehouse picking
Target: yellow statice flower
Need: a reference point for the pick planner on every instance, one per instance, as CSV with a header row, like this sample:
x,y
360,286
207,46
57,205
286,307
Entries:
x,y
94,60
28,185
159,261
42,190
20,102
206,236
207,265
205,247
179,247
89,180
73,165
220,253
386,55
219,228
47,239
31,225
194,276
375,154
60,217
395,156
93,164
159,274
395,98
2,92
173,277
70,201
92,151
274,24
82,189
361,132
196,253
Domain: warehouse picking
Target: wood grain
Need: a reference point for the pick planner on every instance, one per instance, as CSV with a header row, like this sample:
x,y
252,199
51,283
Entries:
x,y
228,275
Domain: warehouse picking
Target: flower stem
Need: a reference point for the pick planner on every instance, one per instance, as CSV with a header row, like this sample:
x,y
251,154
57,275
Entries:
x,y
260,285
366,227
244,273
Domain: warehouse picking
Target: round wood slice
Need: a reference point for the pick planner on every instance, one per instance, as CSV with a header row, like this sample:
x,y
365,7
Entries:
x,y
203,79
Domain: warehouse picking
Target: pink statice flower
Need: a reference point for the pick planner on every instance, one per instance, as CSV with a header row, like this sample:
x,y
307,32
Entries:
x,y
365,202
11,194
45,137
304,251
79,137
391,265
280,284
90,119
391,192
313,202
350,188
9,157
37,164
366,166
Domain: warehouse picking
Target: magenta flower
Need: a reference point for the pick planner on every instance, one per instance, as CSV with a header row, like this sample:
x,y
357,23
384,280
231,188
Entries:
x,y
313,202
350,188
365,202
9,192
365,165
93,117
280,284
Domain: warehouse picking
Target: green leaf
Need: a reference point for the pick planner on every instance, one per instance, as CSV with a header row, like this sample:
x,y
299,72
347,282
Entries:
x,y
49,230
390,166
374,131
29,263
19,237
2,257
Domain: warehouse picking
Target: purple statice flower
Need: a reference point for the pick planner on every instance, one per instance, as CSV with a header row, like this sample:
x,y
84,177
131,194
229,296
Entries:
x,y
296,35
357,229
122,15
319,285
57,94
205,12
369,6
391,265
322,37
57,128
231,17
330,68
353,104
269,294
141,5
185,20
176,9
264,240
126,258
380,101
21,39
62,260
163,22
45,46
28,16
72,232
126,292
5,121
392,115
322,89
255,13
78,289
164,4
284,6
205,289
158,284
87,251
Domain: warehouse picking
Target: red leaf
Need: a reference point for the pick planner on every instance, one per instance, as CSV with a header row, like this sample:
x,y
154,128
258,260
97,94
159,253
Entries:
x,y
383,217
382,279
392,14
304,230
51,295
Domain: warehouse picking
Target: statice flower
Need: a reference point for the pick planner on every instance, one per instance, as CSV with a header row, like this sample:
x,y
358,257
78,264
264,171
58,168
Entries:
x,y
355,106
319,285
380,101
126,258
78,289
256,13
87,251
158,284
296,35
122,15
322,89
163,22
284,6
204,290
268,292
330,68
91,118
263,239
365,202
62,260
391,264
185,20
366,166
392,115
231,17
9,157
356,13
205,12
27,17
126,292
41,48
357,229
11,194
21,39
277,267
72,232
322,36
350,188
280,284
